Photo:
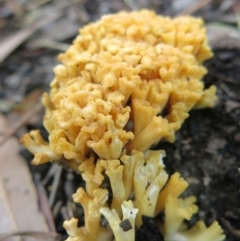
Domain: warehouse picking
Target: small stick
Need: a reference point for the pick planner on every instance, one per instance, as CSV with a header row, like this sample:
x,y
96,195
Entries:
x,y
56,208
235,232
44,204
55,185
228,91
64,213
52,170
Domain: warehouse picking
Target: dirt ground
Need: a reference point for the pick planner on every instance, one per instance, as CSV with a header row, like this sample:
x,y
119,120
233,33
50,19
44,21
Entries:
x,y
206,151
207,148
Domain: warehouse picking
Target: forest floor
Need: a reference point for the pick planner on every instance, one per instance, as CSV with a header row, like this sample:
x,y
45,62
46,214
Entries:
x,y
207,148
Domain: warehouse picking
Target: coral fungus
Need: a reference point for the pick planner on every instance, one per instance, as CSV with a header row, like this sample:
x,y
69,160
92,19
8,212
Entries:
x,y
127,82
124,83
148,192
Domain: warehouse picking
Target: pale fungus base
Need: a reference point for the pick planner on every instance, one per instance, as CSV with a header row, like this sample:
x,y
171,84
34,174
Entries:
x,y
142,177
127,82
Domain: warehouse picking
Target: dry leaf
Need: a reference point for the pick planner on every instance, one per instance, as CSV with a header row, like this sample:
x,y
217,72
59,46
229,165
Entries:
x,y
19,209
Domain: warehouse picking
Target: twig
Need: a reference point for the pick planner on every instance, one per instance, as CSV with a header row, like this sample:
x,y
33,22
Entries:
x,y
235,232
47,43
228,91
194,7
44,203
22,121
52,170
55,185
56,208
64,213
70,207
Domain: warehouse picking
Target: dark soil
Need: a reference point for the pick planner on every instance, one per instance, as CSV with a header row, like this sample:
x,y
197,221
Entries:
x,y
207,152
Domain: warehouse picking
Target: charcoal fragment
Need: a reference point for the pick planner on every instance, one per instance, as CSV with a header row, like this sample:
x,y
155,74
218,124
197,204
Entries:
x,y
125,225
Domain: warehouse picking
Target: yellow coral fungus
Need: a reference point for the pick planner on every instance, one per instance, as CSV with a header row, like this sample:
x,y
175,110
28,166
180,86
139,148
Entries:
x,y
129,214
125,83
149,194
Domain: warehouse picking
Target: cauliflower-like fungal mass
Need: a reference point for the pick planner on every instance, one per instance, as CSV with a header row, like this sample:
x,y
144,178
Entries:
x,y
128,81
